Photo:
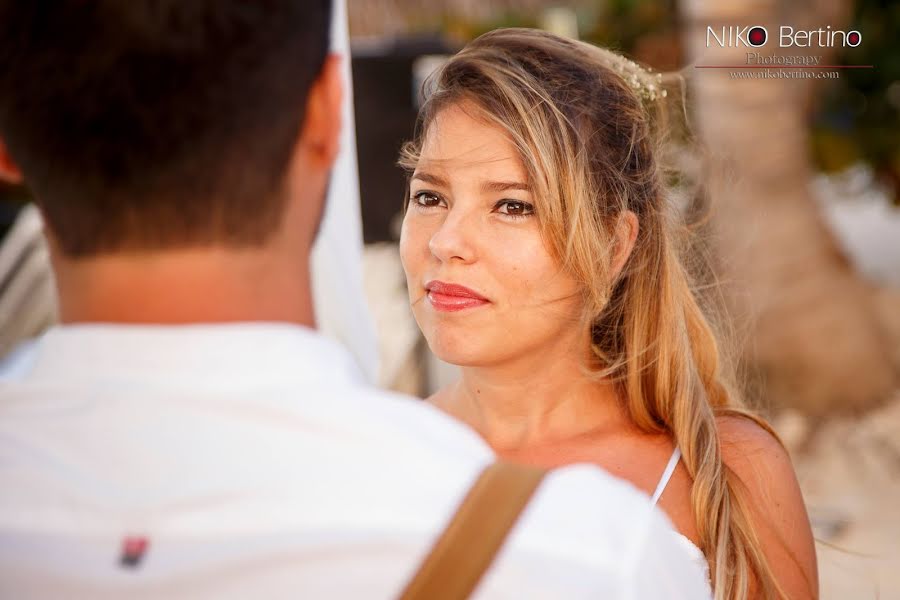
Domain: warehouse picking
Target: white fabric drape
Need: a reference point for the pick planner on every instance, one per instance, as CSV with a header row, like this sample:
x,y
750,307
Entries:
x,y
340,302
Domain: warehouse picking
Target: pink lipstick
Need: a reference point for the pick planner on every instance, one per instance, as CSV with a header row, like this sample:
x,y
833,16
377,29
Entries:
x,y
451,297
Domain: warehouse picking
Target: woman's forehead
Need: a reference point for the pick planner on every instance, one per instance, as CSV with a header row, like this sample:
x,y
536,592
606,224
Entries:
x,y
459,141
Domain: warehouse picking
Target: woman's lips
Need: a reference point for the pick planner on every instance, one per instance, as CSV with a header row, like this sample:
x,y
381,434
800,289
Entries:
x,y
451,297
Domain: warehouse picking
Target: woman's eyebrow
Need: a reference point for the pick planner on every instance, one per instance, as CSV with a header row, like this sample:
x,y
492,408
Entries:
x,y
502,186
429,178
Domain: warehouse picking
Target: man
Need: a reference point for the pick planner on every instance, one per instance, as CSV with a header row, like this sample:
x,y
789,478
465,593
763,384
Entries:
x,y
186,433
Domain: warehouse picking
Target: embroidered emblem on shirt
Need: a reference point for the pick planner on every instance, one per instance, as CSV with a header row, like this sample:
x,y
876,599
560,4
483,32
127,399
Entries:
x,y
133,550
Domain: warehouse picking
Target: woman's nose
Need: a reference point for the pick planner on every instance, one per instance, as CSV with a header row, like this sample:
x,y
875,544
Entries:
x,y
454,239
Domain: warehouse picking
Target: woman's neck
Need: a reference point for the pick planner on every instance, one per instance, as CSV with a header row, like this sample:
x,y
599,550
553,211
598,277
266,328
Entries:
x,y
540,400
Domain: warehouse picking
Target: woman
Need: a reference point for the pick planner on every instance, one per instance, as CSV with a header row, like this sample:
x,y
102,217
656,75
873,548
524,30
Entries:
x,y
540,258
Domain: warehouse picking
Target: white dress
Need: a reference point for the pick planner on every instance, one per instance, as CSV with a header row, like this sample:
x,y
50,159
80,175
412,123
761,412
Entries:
x,y
693,551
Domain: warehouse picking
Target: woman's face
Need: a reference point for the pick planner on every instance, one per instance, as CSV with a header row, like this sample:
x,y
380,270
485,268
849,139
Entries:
x,y
483,286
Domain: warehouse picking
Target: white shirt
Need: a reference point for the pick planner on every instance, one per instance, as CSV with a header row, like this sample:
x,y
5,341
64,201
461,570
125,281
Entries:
x,y
254,463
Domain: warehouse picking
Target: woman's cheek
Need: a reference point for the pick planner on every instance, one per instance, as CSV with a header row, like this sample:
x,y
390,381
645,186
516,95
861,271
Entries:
x,y
409,244
522,262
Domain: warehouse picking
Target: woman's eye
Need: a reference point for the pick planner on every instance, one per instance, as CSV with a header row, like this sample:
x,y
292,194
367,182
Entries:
x,y
426,199
515,208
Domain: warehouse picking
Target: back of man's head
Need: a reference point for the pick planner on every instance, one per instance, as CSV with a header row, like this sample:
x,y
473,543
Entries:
x,y
148,124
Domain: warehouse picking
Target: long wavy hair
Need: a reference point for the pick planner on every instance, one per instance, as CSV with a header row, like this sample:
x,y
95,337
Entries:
x,y
587,125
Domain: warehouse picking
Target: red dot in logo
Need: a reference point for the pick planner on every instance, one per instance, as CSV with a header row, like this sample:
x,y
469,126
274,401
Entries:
x,y
757,36
853,38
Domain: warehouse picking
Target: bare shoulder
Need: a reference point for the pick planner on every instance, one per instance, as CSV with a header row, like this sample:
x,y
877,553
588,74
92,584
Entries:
x,y
754,453
764,469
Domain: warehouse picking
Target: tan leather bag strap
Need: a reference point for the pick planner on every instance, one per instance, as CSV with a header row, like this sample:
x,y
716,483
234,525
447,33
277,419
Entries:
x,y
468,545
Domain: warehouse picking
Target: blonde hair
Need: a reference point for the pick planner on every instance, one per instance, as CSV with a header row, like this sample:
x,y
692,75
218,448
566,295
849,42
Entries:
x,y
584,121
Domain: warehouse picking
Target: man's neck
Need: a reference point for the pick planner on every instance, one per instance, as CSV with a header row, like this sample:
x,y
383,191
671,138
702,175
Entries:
x,y
208,285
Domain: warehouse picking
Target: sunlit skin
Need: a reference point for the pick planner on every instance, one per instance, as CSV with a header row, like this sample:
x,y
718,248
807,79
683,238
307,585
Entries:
x,y
520,351
473,221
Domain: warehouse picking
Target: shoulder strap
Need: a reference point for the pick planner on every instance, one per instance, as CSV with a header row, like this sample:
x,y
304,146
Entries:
x,y
666,476
469,543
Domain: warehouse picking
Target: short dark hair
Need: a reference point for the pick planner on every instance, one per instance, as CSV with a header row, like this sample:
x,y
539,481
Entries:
x,y
144,124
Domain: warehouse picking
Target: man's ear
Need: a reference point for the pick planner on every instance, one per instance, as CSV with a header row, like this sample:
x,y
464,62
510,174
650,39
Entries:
x,y
9,172
322,122
626,234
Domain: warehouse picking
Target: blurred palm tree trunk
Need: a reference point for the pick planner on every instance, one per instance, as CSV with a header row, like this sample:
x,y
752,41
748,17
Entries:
x,y
815,340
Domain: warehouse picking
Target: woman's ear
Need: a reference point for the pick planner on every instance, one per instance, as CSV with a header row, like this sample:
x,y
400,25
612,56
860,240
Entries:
x,y
626,234
9,171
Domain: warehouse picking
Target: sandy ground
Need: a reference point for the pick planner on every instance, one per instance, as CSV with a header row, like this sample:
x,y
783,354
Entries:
x,y
849,469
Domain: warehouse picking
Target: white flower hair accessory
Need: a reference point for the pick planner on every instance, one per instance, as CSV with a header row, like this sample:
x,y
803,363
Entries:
x,y
647,85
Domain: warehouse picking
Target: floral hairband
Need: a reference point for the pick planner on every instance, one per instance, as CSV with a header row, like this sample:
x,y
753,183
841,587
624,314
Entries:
x,y
647,85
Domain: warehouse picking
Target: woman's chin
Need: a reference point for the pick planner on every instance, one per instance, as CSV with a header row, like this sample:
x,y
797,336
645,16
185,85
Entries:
x,y
459,353
459,358
464,344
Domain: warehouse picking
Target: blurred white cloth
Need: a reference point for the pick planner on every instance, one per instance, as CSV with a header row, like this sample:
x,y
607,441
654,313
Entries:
x,y
338,293
254,462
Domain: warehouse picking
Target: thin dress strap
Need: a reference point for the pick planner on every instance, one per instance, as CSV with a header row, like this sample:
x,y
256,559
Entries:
x,y
667,474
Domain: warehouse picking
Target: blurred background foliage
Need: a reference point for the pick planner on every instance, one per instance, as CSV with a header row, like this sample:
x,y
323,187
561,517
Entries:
x,y
857,118
853,119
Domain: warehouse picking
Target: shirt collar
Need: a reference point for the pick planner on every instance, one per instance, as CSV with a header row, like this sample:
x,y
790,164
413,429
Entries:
x,y
261,351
